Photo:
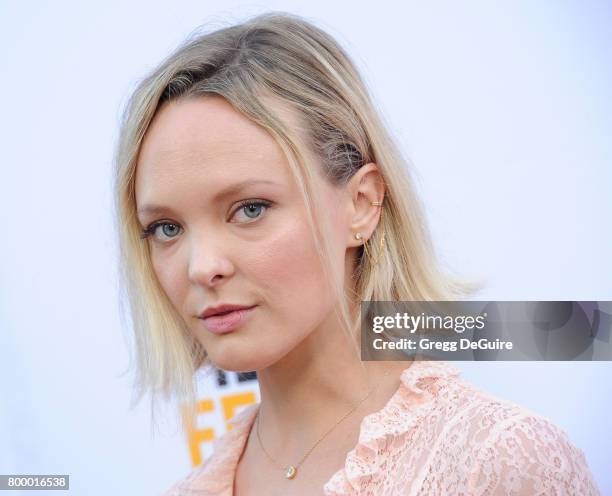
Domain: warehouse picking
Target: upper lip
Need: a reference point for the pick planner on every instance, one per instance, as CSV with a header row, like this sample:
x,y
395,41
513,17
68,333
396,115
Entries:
x,y
221,309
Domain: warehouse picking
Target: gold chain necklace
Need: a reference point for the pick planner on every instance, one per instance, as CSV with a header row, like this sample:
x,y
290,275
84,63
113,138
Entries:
x,y
291,470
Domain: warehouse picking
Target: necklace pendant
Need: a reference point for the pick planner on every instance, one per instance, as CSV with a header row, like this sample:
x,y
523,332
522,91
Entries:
x,y
291,472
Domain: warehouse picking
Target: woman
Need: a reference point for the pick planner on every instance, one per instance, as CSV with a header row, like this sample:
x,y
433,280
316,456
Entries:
x,y
260,200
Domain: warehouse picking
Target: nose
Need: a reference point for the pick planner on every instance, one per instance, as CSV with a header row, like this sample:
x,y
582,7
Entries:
x,y
208,264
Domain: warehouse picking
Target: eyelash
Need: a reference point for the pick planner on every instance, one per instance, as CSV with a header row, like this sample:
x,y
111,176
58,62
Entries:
x,y
150,229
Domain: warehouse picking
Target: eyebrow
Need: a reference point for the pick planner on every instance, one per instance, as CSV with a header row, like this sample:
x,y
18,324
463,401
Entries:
x,y
228,191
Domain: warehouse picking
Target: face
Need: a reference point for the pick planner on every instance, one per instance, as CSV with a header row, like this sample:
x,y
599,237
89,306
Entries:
x,y
227,225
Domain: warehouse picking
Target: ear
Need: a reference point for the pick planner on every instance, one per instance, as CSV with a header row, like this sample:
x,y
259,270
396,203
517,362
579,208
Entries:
x,y
366,186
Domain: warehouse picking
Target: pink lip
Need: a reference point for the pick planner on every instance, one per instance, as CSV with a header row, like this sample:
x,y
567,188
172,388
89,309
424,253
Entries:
x,y
221,324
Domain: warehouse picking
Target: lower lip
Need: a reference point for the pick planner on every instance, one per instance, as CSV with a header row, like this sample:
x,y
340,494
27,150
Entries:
x,y
220,324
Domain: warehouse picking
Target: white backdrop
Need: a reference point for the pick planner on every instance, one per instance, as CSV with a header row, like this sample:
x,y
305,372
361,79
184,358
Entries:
x,y
503,107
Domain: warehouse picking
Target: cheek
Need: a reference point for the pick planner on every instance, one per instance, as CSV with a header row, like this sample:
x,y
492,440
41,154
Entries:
x,y
166,274
288,270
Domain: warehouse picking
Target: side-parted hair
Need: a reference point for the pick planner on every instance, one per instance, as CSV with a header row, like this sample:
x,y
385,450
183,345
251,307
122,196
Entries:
x,y
284,57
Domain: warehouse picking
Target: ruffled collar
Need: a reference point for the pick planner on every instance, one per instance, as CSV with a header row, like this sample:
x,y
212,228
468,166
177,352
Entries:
x,y
387,428
378,432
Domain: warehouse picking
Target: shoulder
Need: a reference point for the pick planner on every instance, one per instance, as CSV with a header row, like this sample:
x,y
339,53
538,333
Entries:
x,y
215,475
515,451
528,454
179,487
194,477
492,446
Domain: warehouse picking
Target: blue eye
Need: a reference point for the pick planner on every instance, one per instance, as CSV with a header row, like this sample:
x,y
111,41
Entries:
x,y
169,229
252,209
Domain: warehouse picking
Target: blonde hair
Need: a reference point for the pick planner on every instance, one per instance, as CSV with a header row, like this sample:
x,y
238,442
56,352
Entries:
x,y
301,67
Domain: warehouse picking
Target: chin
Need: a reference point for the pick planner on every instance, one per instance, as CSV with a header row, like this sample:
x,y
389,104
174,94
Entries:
x,y
233,359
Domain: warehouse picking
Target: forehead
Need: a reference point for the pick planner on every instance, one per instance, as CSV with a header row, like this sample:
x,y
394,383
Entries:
x,y
207,138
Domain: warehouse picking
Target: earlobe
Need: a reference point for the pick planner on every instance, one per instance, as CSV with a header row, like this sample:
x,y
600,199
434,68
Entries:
x,y
359,236
373,258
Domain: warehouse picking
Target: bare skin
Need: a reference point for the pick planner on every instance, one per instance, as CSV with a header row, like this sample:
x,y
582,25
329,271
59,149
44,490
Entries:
x,y
256,475
211,251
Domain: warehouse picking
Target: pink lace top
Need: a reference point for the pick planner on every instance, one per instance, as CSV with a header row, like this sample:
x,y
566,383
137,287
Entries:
x,y
437,435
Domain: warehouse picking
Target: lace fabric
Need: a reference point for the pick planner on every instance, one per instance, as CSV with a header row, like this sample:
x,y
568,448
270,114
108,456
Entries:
x,y
437,435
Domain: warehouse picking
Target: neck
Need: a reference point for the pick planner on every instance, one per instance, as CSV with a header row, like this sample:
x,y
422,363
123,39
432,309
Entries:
x,y
306,392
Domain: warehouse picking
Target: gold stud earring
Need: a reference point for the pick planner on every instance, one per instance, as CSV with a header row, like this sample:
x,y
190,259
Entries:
x,y
359,237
